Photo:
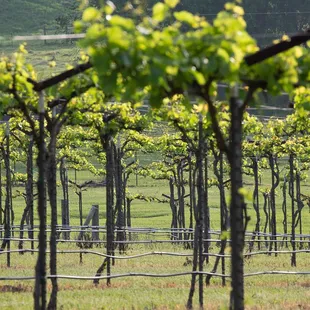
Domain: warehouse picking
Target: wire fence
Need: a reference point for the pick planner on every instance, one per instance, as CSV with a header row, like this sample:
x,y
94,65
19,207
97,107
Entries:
x,y
154,253
145,230
154,232
161,237
153,275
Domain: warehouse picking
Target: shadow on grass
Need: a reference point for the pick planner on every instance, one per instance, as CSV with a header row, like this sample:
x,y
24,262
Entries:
x,y
15,289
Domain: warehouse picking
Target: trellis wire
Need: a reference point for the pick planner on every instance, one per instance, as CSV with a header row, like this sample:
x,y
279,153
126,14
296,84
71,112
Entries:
x,y
82,35
102,229
149,241
153,275
154,253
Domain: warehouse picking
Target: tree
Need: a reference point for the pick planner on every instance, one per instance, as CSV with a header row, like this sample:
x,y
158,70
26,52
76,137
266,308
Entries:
x,y
17,94
156,58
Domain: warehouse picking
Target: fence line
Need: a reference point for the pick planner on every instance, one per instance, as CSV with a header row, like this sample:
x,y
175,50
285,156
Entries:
x,y
152,241
155,253
101,254
153,275
60,228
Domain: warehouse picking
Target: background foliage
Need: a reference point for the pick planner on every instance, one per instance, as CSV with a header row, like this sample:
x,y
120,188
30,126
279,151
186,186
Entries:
x,y
262,17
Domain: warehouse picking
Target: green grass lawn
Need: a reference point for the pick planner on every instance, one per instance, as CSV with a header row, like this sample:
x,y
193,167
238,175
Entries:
x,y
262,292
40,55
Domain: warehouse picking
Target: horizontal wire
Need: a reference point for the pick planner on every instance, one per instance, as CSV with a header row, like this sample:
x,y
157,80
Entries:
x,y
154,253
153,275
142,230
262,13
151,241
49,37
82,35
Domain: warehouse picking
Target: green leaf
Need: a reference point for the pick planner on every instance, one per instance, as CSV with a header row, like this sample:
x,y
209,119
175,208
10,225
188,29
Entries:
x,y
155,100
225,235
306,106
109,8
185,17
199,77
172,3
78,26
247,195
94,32
109,84
125,23
160,11
90,15
172,70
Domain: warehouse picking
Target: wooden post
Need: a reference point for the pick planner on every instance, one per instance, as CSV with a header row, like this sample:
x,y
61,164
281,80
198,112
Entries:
x,y
90,215
65,219
95,223
44,32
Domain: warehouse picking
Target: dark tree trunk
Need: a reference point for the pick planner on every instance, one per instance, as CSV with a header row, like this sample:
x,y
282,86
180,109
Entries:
x,y
28,211
120,222
128,206
7,213
52,193
284,209
191,195
40,270
224,217
207,209
198,258
127,218
267,215
189,304
124,181
201,205
80,197
292,195
109,205
29,191
65,201
181,194
174,220
107,144
300,206
65,186
256,203
275,180
1,208
237,206
219,173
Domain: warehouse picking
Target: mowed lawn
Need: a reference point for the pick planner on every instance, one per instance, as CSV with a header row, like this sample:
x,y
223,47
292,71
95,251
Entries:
x,y
261,292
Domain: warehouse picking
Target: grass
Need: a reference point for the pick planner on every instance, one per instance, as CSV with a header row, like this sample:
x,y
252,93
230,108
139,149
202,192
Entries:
x,y
40,55
29,17
262,292
152,214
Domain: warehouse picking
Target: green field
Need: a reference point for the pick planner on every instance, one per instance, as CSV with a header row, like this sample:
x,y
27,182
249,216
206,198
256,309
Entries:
x,y
262,292
40,55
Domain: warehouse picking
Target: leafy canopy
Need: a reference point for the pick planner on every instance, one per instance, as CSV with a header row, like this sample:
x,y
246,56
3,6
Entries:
x,y
176,52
